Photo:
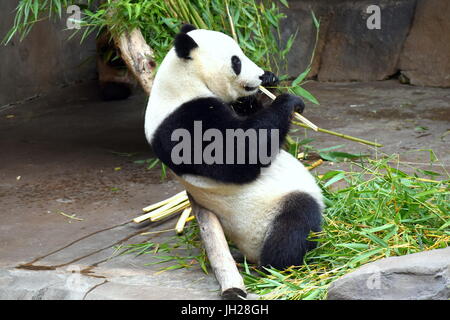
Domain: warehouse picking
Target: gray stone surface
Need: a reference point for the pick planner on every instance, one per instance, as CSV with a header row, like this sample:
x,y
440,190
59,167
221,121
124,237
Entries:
x,y
63,159
420,276
69,284
425,58
44,285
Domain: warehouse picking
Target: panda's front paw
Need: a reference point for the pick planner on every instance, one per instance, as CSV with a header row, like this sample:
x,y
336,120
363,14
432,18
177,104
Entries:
x,y
299,105
269,79
290,101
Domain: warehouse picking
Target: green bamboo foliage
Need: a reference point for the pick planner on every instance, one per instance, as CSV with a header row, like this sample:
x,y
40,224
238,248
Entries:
x,y
256,22
374,210
378,211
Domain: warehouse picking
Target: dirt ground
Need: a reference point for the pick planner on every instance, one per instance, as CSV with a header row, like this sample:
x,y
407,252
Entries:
x,y
70,152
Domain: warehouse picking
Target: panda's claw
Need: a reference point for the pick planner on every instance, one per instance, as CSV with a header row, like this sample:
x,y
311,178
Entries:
x,y
269,79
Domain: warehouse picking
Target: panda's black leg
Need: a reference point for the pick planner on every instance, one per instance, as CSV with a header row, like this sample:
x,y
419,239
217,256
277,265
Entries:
x,y
286,242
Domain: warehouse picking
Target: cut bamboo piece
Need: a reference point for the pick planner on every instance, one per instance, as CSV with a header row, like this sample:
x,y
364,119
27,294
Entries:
x,y
155,212
160,209
268,93
308,123
297,115
216,246
152,207
315,164
170,211
179,227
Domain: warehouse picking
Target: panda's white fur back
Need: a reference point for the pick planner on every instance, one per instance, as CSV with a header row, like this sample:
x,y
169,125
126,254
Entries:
x,y
163,101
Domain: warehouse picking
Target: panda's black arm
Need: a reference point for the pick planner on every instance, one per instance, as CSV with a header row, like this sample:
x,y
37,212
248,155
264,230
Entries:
x,y
277,116
247,106
202,114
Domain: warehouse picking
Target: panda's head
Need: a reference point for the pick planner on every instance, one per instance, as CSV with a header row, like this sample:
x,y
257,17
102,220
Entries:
x,y
218,62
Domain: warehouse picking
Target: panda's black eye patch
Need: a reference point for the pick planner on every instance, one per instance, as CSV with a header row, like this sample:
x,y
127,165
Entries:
x,y
236,64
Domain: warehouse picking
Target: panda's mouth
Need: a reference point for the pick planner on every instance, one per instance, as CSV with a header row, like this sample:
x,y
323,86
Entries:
x,y
248,88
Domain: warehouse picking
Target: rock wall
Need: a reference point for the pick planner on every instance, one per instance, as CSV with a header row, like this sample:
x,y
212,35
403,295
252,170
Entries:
x,y
425,58
414,39
43,61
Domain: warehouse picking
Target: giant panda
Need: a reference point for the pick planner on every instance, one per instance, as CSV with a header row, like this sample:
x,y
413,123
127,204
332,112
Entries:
x,y
266,209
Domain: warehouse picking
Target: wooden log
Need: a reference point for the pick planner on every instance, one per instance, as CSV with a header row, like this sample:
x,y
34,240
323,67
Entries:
x,y
138,56
222,263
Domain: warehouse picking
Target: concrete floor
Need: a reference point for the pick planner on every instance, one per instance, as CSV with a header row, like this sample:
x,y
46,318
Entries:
x,y
60,152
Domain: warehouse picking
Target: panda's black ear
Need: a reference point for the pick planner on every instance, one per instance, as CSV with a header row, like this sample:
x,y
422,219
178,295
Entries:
x,y
187,27
184,45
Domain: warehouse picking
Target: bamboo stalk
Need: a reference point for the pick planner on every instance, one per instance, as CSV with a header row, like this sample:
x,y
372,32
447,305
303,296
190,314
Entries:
x,y
70,216
297,115
179,227
341,135
152,207
157,210
230,19
309,125
169,205
267,93
315,164
164,214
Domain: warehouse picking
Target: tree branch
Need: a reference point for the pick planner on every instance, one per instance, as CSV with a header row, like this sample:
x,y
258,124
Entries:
x,y
222,263
138,56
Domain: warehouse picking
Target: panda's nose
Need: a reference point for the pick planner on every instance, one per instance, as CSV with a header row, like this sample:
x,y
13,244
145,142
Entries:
x,y
269,79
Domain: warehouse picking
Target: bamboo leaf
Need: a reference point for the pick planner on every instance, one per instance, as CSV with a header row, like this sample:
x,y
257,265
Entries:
x,y
36,9
335,179
316,22
364,256
305,94
301,77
